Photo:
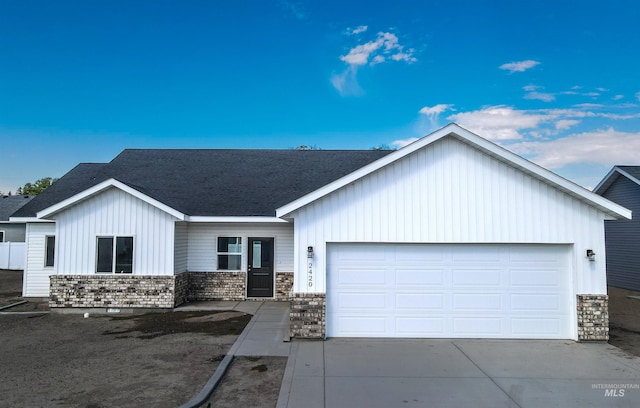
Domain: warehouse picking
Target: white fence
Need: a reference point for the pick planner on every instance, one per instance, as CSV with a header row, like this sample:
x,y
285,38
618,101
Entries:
x,y
12,255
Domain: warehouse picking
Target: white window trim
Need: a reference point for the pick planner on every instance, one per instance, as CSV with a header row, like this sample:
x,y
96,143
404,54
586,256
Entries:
x,y
46,248
242,243
114,254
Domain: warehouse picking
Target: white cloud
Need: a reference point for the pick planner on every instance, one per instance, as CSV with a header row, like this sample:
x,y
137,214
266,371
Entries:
x,y
377,60
405,56
602,89
385,43
499,122
385,47
564,124
357,30
638,96
346,82
531,88
433,111
519,66
606,147
592,94
403,142
618,97
541,96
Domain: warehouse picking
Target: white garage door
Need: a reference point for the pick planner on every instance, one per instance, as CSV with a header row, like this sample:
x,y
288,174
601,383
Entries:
x,y
450,291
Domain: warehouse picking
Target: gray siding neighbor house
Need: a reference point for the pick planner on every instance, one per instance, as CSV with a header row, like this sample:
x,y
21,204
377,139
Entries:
x,y
622,237
12,231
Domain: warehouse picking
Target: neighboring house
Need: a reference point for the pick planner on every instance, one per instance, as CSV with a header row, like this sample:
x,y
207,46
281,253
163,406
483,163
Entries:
x,y
450,236
622,237
12,231
12,234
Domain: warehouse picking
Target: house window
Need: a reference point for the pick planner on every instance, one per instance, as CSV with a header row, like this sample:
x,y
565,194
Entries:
x,y
114,255
50,250
1,236
229,253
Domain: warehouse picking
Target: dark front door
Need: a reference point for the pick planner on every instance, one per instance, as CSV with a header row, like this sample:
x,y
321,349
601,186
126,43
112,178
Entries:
x,y
260,268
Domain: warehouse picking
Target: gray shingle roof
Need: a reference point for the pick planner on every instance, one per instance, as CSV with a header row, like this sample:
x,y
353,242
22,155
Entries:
x,y
209,182
11,204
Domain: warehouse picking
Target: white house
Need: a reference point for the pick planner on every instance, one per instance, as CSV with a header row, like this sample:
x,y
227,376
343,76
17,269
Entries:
x,y
451,236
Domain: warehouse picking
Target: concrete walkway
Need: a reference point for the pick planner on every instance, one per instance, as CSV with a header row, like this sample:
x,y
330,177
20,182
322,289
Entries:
x,y
458,373
265,333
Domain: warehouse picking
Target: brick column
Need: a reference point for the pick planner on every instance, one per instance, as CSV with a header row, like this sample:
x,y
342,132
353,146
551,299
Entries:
x,y
593,317
308,315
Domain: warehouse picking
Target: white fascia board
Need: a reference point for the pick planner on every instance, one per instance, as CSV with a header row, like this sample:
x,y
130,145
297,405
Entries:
x,y
97,189
27,219
248,219
610,208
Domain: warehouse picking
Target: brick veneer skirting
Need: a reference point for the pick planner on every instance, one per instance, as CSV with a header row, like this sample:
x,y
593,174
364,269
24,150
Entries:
x,y
308,315
217,285
112,291
284,284
593,317
135,291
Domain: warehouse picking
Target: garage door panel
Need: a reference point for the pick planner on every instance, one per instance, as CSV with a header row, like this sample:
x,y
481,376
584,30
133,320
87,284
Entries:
x,y
368,301
452,290
420,326
411,277
550,254
477,302
476,277
358,326
360,277
469,326
476,254
419,301
538,277
408,254
534,302
535,327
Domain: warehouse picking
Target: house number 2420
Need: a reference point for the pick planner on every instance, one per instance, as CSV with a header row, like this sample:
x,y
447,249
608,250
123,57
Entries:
x,y
310,274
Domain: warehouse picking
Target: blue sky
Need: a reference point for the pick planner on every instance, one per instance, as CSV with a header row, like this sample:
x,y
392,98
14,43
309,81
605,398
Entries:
x,y
554,81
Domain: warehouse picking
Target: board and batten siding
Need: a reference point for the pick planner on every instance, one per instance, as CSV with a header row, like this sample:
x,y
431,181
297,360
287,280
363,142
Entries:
x,y
114,213
202,247
450,192
622,237
36,275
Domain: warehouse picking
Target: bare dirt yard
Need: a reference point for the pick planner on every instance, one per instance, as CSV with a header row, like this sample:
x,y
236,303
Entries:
x,y
624,320
10,287
125,360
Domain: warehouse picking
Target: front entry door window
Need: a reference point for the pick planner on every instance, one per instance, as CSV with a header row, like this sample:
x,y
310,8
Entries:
x,y
260,268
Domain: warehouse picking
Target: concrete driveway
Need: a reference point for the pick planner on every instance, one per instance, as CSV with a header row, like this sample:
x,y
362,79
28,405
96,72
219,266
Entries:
x,y
459,373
